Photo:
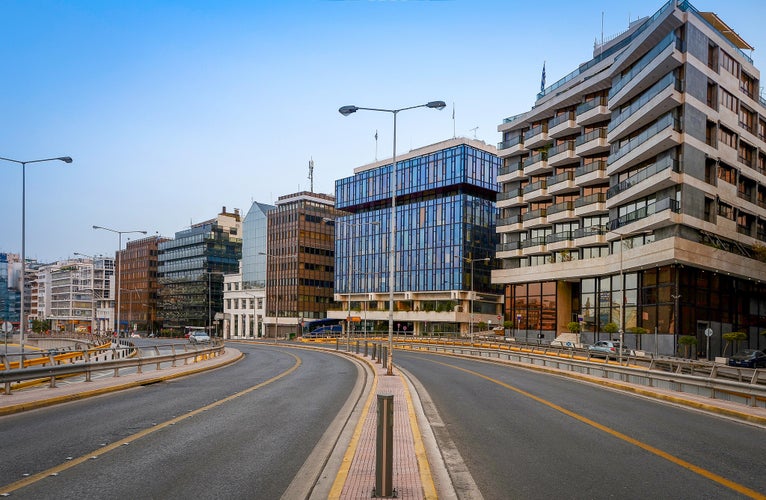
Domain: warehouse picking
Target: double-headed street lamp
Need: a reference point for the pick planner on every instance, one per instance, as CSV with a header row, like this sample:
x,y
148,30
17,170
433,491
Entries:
x,y
22,319
119,266
345,111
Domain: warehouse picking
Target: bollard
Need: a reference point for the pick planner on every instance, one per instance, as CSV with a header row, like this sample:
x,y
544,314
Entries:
x,y
365,348
374,352
384,355
337,344
384,447
357,347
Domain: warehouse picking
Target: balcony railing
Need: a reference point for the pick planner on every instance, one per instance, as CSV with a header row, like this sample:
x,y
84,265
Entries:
x,y
632,143
599,133
541,156
584,232
648,95
641,213
562,177
508,221
533,242
514,193
590,104
541,184
556,120
560,207
564,146
563,236
540,129
590,199
509,143
687,7
507,247
590,167
626,78
535,214
643,174
508,169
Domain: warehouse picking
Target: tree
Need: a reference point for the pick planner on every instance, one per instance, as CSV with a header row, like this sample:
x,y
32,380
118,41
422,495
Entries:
x,y
573,326
638,331
733,337
687,341
611,327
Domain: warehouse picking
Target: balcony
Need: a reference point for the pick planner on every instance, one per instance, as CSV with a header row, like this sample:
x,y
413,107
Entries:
x,y
537,165
591,174
562,183
644,215
658,137
594,204
534,246
657,100
650,179
508,250
536,191
562,154
560,241
592,143
561,212
510,147
537,136
663,58
592,111
535,219
562,125
589,237
511,172
512,198
509,224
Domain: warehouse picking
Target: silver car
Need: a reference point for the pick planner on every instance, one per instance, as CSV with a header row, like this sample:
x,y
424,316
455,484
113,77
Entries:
x,y
199,337
608,349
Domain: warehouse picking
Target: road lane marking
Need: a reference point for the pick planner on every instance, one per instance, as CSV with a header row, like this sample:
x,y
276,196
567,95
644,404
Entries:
x,y
739,488
426,479
22,483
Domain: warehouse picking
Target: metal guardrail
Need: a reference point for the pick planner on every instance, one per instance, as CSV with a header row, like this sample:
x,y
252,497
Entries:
x,y
123,356
744,386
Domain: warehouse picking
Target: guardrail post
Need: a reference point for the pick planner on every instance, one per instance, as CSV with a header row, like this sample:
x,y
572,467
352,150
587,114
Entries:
x,y
384,448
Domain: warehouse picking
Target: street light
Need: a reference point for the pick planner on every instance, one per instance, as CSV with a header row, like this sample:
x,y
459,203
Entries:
x,y
119,267
350,266
22,319
345,111
276,311
471,260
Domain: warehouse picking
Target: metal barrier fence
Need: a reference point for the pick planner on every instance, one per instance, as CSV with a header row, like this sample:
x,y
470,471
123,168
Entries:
x,y
89,361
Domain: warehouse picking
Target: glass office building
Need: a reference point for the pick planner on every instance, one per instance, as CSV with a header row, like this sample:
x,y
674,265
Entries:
x,y
445,229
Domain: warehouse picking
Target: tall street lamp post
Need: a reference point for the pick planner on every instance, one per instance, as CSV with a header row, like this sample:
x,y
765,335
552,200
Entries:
x,y
119,267
22,318
276,311
345,111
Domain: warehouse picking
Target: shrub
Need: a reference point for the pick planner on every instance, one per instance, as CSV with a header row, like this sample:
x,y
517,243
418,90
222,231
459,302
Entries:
x,y
611,327
687,341
573,326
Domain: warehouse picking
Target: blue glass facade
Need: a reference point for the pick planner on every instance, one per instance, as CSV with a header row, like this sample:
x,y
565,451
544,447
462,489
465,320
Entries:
x,y
254,245
445,215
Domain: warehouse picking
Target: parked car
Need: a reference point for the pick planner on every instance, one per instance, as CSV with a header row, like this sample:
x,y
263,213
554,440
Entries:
x,y
608,349
199,338
749,358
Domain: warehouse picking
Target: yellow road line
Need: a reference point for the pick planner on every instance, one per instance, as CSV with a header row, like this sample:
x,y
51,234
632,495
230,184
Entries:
x,y
110,447
739,488
426,479
348,457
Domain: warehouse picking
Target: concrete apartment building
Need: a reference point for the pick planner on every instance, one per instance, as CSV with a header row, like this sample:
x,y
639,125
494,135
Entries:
x,y
445,240
634,191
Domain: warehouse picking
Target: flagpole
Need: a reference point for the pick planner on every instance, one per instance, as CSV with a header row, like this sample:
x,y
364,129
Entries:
x,y
376,145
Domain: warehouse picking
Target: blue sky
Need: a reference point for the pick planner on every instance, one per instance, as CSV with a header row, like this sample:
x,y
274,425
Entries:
x,y
174,109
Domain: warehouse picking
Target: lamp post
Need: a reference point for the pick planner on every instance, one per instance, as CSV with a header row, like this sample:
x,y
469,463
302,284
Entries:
x,y
22,318
276,311
119,268
345,111
622,291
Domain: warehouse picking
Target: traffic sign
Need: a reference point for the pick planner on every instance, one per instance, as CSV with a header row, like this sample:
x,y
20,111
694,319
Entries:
x,y
708,332
499,317
7,327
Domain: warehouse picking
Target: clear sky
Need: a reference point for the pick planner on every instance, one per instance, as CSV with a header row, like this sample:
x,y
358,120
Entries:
x,y
172,110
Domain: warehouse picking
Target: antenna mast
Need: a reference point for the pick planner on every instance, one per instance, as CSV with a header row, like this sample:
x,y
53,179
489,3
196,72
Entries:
x,y
311,174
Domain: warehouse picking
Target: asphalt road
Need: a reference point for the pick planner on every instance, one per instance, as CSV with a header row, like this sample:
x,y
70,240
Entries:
x,y
241,431
523,434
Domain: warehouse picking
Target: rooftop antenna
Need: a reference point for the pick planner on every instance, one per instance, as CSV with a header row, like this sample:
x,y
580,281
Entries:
x,y
376,144
601,49
474,131
454,134
311,174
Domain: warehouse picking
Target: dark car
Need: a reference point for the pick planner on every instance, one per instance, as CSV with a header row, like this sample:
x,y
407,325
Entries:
x,y
749,358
